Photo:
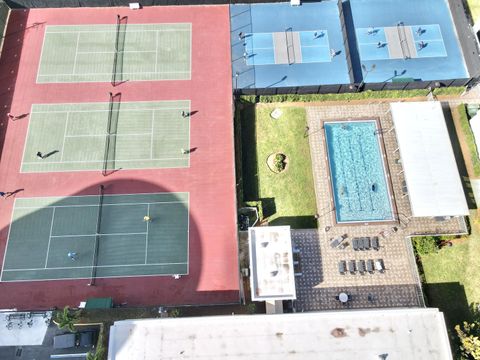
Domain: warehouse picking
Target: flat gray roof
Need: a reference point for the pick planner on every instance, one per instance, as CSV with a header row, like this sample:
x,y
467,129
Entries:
x,y
431,173
400,333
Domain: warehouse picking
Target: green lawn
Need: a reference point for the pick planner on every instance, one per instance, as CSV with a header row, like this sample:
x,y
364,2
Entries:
x,y
289,197
452,280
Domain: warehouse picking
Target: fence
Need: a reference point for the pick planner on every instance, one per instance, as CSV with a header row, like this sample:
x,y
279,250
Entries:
x,y
106,3
351,88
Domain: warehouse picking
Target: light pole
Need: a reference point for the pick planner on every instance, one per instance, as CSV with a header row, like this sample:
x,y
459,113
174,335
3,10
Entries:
x,y
366,71
236,80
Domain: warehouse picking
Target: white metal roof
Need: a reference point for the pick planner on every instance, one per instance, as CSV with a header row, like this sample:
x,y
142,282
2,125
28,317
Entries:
x,y
23,328
399,333
475,126
271,263
431,173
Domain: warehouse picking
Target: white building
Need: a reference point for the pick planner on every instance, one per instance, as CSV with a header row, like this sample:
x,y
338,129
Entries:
x,y
398,334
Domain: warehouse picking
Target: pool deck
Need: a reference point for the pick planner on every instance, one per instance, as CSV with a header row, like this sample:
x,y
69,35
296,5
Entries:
x,y
320,282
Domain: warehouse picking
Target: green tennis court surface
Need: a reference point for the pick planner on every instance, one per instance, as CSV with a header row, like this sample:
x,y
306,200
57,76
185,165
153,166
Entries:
x,y
127,52
88,136
45,230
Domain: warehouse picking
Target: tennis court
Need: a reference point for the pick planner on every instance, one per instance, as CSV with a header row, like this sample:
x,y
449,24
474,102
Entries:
x,y
108,136
107,234
400,42
287,47
118,52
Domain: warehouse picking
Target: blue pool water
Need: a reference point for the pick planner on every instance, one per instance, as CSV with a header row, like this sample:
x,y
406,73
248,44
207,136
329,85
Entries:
x,y
357,172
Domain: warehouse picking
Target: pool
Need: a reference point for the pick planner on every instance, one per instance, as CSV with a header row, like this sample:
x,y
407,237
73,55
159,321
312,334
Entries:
x,y
357,172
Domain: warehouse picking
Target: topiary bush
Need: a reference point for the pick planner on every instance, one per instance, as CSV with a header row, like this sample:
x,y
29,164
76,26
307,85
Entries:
x,y
279,162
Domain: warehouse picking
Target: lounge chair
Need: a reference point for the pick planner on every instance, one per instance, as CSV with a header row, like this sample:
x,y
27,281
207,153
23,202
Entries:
x,y
342,267
379,265
361,245
366,243
370,266
355,244
352,267
375,243
361,266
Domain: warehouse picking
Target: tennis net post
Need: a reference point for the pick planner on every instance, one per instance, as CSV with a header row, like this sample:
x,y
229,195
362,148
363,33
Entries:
x,y
97,236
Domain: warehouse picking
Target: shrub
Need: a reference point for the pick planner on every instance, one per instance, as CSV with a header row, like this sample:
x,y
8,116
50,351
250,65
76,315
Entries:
x,y
258,204
368,94
174,313
279,162
425,244
469,336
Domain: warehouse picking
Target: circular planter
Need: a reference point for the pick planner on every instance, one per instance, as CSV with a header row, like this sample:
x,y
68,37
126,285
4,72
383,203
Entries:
x,y
271,162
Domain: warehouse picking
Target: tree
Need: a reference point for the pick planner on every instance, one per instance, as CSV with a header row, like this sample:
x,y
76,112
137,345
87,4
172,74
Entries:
x,y
97,355
469,335
66,319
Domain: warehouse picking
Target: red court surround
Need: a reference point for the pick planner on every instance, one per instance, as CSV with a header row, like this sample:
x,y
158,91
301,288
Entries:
x,y
210,180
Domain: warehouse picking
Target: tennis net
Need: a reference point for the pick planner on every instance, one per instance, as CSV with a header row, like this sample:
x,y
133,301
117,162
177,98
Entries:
x,y
115,54
118,50
111,134
402,36
97,236
289,45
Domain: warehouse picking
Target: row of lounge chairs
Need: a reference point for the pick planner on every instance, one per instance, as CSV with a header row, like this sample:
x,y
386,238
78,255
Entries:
x,y
361,266
366,243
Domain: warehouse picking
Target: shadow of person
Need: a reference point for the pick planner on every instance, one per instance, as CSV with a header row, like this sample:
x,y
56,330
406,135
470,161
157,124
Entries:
x,y
50,154
13,193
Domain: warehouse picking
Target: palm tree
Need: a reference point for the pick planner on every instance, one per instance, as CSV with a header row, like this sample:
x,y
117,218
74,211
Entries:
x,y
66,319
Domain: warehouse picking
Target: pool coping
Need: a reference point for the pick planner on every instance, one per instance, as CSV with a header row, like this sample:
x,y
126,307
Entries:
x,y
386,170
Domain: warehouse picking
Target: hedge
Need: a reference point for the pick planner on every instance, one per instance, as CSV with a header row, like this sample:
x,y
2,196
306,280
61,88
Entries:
x,y
369,94
470,140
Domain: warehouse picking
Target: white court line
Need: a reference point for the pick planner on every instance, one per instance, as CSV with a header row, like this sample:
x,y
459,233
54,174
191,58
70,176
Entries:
x,y
315,46
114,31
49,238
124,73
96,205
113,52
89,235
106,195
8,239
146,235
98,161
103,135
372,43
76,53
105,110
156,51
151,135
90,266
64,137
